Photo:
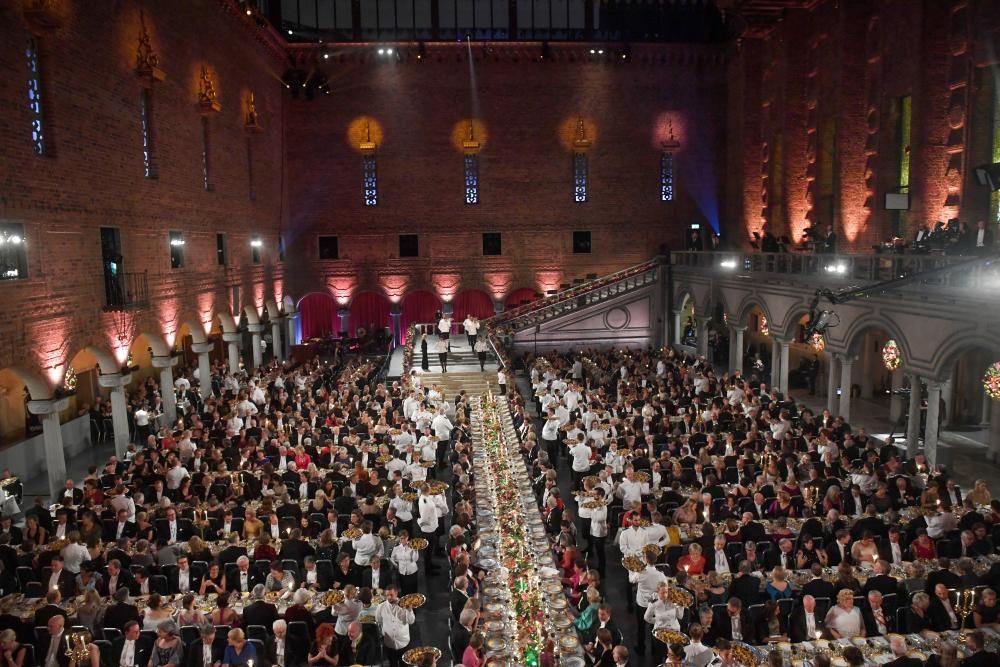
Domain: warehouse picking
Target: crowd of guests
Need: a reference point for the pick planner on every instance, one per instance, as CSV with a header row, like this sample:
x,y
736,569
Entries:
x,y
751,504
215,540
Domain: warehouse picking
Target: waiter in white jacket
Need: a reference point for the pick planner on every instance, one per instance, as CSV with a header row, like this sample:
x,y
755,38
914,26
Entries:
x,y
428,519
442,428
646,581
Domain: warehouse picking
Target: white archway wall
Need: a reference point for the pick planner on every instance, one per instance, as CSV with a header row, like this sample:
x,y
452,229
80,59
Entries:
x,y
12,409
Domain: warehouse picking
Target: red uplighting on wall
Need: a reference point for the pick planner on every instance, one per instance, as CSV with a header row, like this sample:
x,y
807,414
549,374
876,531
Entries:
x,y
258,298
499,283
168,318
206,311
279,287
342,288
446,285
549,280
394,286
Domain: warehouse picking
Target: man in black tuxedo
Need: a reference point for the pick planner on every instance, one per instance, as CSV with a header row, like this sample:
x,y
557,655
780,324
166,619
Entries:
x,y
943,575
122,528
838,550
293,653
869,523
893,550
378,574
745,586
605,621
295,548
242,579
818,587
752,531
358,647
878,620
51,608
881,581
461,632
116,578
782,556
312,578
734,621
259,612
61,579
232,552
804,622
130,642
52,643
459,596
196,651
121,612
975,641
181,579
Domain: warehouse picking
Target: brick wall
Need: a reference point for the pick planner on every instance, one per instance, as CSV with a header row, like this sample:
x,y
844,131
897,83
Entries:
x,y
92,174
528,110
854,60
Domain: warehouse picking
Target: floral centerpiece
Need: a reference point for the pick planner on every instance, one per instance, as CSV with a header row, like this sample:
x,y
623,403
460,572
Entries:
x,y
991,381
891,356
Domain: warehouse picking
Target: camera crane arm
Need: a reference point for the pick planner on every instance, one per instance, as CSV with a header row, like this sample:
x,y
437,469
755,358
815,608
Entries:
x,y
819,319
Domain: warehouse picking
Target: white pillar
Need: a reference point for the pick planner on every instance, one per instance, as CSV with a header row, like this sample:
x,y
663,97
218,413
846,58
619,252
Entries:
x,y
290,319
497,306
913,425
345,321
775,363
895,400
396,312
933,413
846,364
947,392
255,331
232,341
832,376
276,345
55,455
167,393
869,367
783,372
119,408
703,335
736,358
204,367
994,442
677,327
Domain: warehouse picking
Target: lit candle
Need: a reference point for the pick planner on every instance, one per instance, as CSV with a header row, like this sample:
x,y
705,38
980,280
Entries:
x,y
818,635
686,568
67,642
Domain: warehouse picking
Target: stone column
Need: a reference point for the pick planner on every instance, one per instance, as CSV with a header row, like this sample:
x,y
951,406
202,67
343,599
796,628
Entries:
x,y
933,414
832,376
736,358
167,393
232,341
396,312
276,344
913,425
783,372
497,306
703,336
677,327
290,320
345,321
255,331
994,441
119,409
55,455
846,364
895,400
775,363
947,392
204,367
868,367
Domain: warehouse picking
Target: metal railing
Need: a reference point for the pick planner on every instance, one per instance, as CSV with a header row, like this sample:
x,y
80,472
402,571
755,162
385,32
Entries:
x,y
125,290
845,269
579,296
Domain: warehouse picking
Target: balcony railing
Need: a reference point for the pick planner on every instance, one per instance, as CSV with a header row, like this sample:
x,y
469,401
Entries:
x,y
125,290
579,296
846,269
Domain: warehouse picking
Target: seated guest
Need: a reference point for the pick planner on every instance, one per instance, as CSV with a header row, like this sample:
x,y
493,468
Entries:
x,y
239,651
693,563
358,647
986,612
878,621
918,621
844,619
804,624
778,588
769,625
205,652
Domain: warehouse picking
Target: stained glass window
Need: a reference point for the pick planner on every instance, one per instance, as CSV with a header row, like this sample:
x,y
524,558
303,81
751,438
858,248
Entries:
x,y
205,166
35,97
471,179
145,119
580,177
370,178
667,176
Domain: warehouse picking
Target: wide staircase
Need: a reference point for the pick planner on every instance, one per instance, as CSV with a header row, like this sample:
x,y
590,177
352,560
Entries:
x,y
473,383
581,295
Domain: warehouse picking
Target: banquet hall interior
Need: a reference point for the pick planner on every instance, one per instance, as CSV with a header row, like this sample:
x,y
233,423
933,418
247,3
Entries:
x,y
499,332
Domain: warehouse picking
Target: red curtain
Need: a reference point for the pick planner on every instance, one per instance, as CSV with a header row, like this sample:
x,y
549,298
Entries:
x,y
319,316
517,296
369,310
473,302
419,307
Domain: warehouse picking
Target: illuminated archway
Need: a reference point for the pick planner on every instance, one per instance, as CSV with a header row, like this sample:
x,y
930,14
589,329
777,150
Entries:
x,y
370,311
473,302
519,297
319,315
419,307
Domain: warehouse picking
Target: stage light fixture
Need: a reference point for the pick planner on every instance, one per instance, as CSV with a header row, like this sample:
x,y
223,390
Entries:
x,y
839,268
728,264
290,32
